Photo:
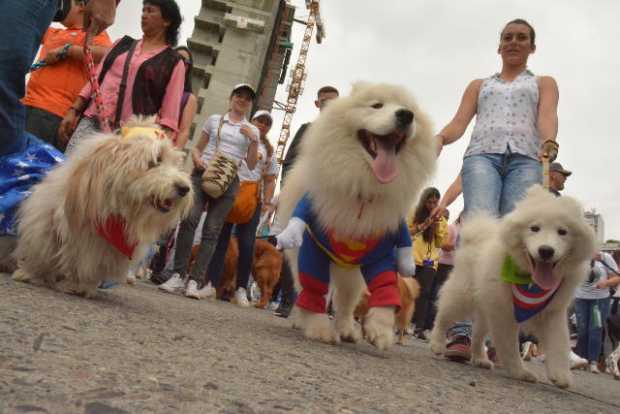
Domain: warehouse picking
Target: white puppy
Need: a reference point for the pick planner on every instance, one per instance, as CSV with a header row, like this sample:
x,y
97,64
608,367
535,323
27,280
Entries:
x,y
101,209
545,242
361,167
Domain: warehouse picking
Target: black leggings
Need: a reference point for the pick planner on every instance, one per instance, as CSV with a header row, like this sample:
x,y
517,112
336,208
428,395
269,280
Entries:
x,y
424,276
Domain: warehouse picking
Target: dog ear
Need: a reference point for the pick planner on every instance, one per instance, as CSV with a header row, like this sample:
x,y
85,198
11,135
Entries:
x,y
511,229
86,192
359,86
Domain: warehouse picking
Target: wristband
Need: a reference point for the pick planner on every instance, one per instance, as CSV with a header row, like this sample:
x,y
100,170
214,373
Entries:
x,y
64,52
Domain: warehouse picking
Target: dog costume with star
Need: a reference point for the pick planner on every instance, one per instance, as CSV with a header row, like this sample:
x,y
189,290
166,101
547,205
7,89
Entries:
x,y
377,257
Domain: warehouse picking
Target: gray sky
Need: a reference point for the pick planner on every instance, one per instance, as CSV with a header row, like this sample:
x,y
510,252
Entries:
x,y
435,48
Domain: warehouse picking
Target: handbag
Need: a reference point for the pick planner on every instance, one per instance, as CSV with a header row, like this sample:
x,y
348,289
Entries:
x,y
220,171
245,204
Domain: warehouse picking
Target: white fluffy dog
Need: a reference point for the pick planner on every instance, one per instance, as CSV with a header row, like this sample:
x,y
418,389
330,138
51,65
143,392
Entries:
x,y
101,209
362,164
548,242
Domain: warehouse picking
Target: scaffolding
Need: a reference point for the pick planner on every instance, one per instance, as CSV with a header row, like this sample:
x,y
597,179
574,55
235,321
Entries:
x,y
298,75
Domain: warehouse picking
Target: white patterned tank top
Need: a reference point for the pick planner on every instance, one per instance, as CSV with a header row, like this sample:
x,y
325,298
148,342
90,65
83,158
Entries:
x,y
506,117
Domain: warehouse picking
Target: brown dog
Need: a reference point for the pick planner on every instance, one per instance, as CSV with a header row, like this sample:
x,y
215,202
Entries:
x,y
228,281
409,289
266,269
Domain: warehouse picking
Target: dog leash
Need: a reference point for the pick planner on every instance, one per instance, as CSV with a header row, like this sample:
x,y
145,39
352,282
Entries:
x,y
104,122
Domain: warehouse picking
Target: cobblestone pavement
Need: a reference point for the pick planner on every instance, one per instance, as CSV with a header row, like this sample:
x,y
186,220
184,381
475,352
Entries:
x,y
133,349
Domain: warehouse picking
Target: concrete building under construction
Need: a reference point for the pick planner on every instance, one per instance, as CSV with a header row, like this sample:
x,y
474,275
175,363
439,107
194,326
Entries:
x,y
238,41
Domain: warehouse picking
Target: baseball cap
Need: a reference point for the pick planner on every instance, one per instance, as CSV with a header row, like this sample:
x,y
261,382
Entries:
x,y
262,112
244,86
556,166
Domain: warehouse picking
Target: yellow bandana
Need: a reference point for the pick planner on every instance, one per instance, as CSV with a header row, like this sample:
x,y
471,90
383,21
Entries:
x,y
133,132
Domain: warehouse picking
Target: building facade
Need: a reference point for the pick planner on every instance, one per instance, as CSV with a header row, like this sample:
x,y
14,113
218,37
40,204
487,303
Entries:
x,y
237,41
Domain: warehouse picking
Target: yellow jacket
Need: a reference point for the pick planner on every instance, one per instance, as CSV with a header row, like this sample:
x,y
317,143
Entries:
x,y
423,250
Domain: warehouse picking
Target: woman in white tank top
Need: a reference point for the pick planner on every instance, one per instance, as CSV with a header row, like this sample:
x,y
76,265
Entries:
x,y
516,120
516,117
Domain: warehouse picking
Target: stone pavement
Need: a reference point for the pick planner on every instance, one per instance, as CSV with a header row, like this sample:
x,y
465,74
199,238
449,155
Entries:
x,y
133,349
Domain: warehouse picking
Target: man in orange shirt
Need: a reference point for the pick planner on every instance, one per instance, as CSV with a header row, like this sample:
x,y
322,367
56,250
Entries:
x,y
52,89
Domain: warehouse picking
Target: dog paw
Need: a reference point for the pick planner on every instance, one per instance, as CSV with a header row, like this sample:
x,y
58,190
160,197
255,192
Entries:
x,y
438,343
561,379
317,326
20,275
524,375
482,363
348,330
379,327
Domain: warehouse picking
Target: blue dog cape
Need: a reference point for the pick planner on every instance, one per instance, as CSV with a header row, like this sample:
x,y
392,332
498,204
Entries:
x,y
18,173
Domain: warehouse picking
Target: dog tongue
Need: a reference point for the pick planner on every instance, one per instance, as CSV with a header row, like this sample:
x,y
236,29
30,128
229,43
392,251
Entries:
x,y
385,166
542,273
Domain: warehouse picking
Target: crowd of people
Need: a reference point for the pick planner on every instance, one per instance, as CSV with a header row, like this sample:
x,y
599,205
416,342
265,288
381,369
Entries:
x,y
516,125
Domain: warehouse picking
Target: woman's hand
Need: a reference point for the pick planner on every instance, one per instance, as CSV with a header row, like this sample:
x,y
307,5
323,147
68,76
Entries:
x,y
67,126
248,133
199,164
602,284
548,148
99,15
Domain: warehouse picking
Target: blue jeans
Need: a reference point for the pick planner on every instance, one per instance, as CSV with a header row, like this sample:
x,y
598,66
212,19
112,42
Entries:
x,y
22,25
246,235
590,331
494,183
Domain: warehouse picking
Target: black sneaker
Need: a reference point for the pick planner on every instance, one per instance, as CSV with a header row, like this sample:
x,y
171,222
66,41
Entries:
x,y
283,311
421,335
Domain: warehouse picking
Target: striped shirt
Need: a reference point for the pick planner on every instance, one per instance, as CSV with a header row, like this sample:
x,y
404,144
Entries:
x,y
588,289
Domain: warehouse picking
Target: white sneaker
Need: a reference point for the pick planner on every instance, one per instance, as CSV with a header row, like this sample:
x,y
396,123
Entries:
x,y
577,362
174,284
594,368
254,292
131,278
207,292
192,291
241,298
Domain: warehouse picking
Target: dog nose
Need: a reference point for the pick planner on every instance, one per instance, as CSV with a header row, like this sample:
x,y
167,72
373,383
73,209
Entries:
x,y
404,117
546,252
182,189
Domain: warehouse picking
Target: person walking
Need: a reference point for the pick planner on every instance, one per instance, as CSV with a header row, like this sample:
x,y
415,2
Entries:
x,y
516,123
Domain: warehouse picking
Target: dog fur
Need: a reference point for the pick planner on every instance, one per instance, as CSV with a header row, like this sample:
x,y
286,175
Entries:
x,y
266,270
139,179
409,290
475,291
336,170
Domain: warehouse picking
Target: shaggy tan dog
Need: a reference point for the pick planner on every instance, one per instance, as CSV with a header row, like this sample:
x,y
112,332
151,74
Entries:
x,y
362,164
547,243
101,209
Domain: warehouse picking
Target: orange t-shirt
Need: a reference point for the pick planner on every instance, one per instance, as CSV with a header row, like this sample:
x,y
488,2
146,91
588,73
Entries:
x,y
54,88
